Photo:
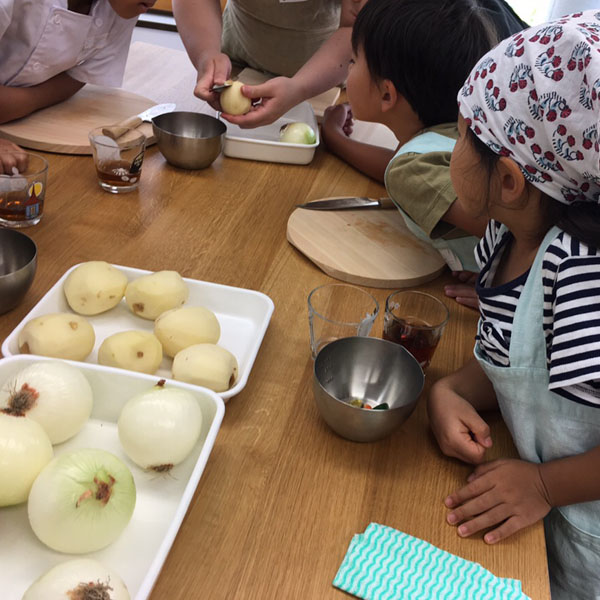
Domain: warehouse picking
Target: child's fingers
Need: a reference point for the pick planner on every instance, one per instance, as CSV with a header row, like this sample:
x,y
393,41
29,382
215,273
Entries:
x,y
484,520
505,530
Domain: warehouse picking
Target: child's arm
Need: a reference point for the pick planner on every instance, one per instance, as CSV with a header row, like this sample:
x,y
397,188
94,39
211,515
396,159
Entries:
x,y
453,406
370,160
17,102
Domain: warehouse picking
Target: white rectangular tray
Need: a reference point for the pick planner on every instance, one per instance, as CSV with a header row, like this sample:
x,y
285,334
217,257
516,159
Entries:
x,y
162,499
244,316
262,143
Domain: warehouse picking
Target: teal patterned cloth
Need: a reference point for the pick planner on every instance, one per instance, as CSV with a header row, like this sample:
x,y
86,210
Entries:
x,y
385,564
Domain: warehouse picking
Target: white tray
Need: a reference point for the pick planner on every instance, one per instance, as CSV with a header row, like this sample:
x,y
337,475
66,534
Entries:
x,y
262,143
162,499
244,316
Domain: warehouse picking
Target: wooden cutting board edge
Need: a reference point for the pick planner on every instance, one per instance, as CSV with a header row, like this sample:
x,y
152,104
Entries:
x,y
375,282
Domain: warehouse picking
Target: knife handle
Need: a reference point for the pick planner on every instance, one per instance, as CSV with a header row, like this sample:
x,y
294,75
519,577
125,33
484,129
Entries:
x,y
117,130
386,203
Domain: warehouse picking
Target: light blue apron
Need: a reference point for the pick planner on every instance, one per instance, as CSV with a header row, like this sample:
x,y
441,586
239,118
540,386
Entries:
x,y
459,252
544,427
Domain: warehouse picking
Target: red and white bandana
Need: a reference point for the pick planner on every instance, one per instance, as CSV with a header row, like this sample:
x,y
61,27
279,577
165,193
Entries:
x,y
536,99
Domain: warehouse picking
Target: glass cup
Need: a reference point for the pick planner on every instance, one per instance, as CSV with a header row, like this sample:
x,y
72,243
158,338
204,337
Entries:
x,y
118,161
22,193
415,320
338,310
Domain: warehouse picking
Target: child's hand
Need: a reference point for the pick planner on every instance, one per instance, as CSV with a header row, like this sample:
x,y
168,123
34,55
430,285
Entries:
x,y
338,118
11,157
510,492
458,428
464,292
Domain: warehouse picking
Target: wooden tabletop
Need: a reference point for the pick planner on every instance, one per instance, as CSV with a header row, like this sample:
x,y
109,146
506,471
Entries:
x,y
281,495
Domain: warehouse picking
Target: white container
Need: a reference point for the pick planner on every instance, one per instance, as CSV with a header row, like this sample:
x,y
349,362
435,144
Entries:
x,y
161,499
243,315
262,143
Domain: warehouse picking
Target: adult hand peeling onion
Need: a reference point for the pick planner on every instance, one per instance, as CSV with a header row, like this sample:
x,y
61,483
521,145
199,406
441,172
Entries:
x,y
81,501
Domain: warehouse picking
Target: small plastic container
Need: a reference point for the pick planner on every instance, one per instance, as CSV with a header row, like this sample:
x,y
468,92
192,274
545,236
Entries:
x,y
262,143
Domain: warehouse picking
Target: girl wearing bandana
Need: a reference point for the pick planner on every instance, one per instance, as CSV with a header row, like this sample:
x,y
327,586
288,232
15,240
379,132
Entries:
x,y
528,156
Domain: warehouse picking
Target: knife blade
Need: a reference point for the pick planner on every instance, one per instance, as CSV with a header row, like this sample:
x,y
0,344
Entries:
x,y
348,203
118,129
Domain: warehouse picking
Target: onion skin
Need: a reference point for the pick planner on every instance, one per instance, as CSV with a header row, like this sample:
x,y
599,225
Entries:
x,y
63,581
81,501
24,451
55,394
159,428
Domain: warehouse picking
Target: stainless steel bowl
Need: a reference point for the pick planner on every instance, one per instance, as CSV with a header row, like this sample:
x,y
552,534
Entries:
x,y
189,140
367,369
18,261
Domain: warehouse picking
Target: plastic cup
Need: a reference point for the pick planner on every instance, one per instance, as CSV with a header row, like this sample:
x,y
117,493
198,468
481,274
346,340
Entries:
x,y
339,310
118,161
22,194
415,320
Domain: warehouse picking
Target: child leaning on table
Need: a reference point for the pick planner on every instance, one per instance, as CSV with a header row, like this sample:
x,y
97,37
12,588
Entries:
x,y
528,158
409,60
49,49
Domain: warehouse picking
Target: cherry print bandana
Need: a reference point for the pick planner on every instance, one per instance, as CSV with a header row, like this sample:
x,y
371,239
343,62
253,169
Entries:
x,y
536,99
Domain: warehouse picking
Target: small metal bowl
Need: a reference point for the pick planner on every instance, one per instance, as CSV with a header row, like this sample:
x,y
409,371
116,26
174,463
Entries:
x,y
18,261
366,369
189,140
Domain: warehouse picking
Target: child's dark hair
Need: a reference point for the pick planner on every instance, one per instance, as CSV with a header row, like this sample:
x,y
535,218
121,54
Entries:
x,y
580,220
426,48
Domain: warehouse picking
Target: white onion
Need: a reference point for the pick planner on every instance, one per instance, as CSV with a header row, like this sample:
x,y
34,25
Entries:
x,y
78,579
24,451
53,393
81,501
158,428
297,133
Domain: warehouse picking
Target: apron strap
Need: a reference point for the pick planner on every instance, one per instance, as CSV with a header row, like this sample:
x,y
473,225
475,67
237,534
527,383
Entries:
x,y
528,343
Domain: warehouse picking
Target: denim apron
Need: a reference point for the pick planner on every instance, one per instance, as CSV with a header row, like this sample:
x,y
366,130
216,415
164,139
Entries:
x,y
545,427
457,252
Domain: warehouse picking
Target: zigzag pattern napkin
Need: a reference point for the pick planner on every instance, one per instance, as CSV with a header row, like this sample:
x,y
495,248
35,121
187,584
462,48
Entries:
x,y
385,564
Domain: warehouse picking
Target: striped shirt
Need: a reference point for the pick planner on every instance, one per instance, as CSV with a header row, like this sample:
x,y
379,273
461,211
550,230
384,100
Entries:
x,y
571,280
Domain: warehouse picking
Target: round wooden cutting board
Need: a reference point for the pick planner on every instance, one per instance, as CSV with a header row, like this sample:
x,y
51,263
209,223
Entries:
x,y
369,246
64,127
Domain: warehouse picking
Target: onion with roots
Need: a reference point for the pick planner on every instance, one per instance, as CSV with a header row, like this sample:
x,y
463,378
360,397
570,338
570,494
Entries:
x,y
81,501
55,394
78,579
24,451
158,428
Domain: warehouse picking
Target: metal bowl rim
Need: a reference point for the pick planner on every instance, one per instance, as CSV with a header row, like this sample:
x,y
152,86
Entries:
x,y
29,262
187,137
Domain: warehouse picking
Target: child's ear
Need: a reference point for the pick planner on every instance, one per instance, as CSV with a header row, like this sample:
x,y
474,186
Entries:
x,y
513,186
389,95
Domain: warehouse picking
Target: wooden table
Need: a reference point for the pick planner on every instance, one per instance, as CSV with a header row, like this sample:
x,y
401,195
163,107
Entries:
x,y
282,495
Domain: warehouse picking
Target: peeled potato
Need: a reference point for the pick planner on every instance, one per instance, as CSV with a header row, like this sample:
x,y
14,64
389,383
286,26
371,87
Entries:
x,y
134,350
94,287
208,365
233,102
151,295
179,328
60,335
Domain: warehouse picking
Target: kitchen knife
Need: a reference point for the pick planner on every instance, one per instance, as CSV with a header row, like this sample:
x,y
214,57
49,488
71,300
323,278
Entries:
x,y
117,130
348,203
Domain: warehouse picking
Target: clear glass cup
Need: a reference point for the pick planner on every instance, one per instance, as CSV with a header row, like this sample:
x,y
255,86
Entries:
x,y
339,310
22,194
118,161
415,320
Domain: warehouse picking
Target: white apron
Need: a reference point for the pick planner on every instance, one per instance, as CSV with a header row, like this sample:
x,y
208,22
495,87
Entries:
x,y
545,427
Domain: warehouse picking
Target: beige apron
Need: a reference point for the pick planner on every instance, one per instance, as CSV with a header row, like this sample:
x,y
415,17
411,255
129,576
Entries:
x,y
278,37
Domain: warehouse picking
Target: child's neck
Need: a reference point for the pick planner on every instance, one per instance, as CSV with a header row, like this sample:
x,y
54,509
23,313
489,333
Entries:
x,y
404,122
80,6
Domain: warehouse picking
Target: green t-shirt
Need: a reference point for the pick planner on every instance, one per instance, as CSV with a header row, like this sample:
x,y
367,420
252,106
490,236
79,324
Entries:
x,y
420,184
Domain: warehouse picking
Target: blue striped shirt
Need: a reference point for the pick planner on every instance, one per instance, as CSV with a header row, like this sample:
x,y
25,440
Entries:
x,y
571,280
